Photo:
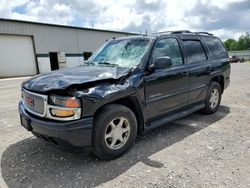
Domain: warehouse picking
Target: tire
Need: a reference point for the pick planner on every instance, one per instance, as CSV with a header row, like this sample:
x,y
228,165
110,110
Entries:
x,y
111,123
211,102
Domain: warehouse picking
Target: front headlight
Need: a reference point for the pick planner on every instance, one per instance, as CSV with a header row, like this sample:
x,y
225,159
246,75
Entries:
x,y
67,108
70,102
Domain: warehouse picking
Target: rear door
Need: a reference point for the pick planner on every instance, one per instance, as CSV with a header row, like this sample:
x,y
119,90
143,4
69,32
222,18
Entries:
x,y
167,89
199,67
219,57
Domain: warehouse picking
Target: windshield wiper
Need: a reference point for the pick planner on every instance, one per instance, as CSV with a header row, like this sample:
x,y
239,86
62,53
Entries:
x,y
88,63
107,63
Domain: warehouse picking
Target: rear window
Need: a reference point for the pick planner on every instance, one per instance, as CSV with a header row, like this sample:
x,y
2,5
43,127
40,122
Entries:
x,y
216,48
195,51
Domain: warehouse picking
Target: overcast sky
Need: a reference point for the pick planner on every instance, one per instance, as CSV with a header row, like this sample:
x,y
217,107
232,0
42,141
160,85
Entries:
x,y
224,18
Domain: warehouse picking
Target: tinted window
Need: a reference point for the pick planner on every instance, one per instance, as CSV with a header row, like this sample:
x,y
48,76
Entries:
x,y
169,47
195,51
216,48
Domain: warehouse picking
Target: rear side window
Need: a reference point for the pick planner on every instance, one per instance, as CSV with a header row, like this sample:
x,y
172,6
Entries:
x,y
195,51
216,48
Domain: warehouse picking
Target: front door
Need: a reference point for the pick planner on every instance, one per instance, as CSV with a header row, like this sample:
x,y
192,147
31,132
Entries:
x,y
167,89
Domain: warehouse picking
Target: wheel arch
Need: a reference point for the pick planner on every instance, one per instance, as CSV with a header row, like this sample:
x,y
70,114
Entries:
x,y
132,103
220,80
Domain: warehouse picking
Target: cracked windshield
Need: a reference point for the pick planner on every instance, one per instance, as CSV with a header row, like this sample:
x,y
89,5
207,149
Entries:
x,y
124,53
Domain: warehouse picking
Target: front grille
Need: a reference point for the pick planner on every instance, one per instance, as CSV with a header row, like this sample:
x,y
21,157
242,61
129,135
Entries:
x,y
35,103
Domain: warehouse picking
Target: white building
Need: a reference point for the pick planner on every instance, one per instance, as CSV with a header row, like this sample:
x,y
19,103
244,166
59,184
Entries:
x,y
29,48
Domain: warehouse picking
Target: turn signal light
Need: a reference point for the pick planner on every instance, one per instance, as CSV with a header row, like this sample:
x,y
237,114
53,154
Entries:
x,y
62,113
71,103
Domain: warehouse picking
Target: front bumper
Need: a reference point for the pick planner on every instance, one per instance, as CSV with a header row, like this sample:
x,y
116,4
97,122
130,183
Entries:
x,y
76,133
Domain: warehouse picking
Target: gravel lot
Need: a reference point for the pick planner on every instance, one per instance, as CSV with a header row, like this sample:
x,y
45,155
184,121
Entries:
x,y
196,151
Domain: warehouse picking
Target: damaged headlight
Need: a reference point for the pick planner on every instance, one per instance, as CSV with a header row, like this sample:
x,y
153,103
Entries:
x,y
67,108
70,102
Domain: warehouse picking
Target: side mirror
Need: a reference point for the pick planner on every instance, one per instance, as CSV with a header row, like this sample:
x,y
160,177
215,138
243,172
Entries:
x,y
161,63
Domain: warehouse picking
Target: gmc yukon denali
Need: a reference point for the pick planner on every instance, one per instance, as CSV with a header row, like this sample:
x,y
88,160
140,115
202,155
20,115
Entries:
x,y
130,85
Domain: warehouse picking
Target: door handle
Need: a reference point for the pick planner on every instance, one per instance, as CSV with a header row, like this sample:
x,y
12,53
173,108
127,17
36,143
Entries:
x,y
208,69
184,73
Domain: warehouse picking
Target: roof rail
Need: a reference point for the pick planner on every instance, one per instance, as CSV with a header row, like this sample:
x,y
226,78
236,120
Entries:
x,y
203,33
162,32
180,32
172,32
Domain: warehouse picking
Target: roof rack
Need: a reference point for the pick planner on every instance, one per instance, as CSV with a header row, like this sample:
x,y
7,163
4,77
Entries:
x,y
172,32
182,32
162,32
203,33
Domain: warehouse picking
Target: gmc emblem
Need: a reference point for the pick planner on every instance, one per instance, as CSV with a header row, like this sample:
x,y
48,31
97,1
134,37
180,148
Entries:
x,y
29,101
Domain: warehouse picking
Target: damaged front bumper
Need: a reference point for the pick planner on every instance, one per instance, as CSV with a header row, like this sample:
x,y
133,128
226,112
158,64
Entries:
x,y
75,133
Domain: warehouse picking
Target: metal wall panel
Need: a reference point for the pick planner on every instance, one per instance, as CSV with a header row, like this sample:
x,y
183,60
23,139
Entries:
x,y
49,38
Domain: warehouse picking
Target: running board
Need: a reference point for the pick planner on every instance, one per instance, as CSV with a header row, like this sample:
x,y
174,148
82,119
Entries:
x,y
163,120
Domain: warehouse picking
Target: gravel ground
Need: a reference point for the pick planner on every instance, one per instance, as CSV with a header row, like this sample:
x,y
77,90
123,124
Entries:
x,y
196,151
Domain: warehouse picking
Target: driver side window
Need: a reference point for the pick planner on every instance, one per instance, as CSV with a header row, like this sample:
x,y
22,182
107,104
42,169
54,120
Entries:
x,y
169,47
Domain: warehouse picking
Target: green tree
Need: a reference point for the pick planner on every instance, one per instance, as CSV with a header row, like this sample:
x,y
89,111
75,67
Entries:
x,y
247,41
243,43
229,43
234,45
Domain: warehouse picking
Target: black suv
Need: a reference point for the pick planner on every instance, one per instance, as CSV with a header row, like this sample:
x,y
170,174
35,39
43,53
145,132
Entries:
x,y
130,85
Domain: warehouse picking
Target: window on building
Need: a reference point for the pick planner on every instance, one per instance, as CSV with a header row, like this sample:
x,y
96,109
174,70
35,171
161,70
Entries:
x,y
86,55
195,51
169,47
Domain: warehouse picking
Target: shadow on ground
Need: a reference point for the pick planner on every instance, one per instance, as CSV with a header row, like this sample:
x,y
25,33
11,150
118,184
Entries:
x,y
32,163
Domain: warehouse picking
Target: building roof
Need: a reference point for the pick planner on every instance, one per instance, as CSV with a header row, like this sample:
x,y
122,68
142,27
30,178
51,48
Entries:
x,y
66,26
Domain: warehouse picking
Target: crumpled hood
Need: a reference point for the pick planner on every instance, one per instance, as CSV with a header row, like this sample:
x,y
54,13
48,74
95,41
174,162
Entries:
x,y
61,79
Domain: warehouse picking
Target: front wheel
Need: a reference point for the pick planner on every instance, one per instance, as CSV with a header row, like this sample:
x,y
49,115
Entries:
x,y
115,129
213,98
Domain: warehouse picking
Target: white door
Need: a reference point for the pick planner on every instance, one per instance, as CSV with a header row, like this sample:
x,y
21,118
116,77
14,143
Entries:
x,y
16,56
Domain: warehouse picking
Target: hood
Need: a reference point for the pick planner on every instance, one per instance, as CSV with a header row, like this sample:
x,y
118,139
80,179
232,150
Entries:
x,y
61,79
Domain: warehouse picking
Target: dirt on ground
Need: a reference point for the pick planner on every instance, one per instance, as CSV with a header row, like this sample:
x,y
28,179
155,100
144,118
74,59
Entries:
x,y
196,151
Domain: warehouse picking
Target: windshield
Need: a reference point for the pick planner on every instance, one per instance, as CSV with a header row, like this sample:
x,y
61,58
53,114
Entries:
x,y
124,53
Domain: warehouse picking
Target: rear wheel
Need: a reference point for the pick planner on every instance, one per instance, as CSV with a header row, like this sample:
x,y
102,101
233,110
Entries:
x,y
213,99
115,129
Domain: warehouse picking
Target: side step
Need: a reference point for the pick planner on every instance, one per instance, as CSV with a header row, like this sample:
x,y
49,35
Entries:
x,y
168,118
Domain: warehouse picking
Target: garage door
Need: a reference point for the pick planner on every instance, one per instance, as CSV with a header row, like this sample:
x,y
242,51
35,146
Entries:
x,y
16,56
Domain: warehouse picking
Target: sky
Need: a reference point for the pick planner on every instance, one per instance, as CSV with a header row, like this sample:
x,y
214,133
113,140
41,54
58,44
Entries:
x,y
223,18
